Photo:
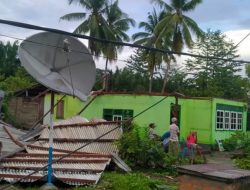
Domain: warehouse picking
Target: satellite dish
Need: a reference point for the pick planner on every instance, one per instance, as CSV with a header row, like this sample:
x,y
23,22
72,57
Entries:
x,y
59,62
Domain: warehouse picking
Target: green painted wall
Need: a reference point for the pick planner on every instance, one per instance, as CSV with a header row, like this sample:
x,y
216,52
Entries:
x,y
195,115
159,114
71,106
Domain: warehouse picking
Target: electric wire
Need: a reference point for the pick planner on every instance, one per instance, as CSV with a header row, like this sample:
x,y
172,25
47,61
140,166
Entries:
x,y
29,26
117,43
242,40
90,142
53,46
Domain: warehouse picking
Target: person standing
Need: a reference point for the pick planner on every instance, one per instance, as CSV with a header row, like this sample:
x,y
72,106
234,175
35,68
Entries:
x,y
152,133
174,141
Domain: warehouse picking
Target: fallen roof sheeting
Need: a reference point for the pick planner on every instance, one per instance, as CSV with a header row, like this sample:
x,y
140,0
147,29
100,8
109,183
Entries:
x,y
80,168
8,143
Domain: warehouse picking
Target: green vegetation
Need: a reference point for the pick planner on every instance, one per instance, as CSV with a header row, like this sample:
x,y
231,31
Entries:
x,y
236,141
149,180
141,152
241,142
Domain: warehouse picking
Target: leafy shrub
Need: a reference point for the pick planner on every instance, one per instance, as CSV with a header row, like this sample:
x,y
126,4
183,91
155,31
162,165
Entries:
x,y
141,152
138,181
237,140
243,163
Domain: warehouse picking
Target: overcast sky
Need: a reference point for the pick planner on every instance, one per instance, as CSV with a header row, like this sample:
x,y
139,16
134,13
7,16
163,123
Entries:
x,y
230,16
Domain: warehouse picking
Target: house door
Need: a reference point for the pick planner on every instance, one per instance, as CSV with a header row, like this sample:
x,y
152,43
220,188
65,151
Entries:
x,y
175,111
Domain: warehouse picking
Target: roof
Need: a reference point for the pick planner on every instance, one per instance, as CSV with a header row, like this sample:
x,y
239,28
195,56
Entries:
x,y
82,167
31,91
8,142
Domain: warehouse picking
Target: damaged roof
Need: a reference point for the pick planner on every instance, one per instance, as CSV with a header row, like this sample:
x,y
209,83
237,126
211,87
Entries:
x,y
7,132
80,168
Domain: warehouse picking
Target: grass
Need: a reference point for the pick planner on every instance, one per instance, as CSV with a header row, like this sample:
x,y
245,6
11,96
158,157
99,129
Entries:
x,y
146,180
137,181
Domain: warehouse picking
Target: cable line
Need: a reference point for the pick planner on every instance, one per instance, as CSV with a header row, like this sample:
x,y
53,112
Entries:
x,y
88,143
118,43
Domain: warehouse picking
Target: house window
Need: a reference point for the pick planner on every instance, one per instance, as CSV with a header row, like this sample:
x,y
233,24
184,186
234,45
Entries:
x,y
233,121
229,117
227,120
117,114
220,120
60,110
239,121
117,117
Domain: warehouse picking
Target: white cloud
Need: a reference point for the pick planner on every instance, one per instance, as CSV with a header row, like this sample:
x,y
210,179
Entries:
x,y
243,48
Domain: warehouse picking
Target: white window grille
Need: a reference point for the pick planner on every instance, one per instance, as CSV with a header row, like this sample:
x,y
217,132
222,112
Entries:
x,y
233,121
227,120
117,117
239,121
220,120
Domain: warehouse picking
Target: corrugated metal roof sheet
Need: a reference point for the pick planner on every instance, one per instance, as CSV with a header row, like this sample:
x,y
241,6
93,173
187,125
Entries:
x,y
7,143
72,120
84,131
83,167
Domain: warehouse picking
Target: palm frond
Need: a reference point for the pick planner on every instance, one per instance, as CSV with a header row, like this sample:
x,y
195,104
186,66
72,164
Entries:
x,y
177,4
162,4
73,16
82,28
142,41
186,35
140,35
193,26
189,6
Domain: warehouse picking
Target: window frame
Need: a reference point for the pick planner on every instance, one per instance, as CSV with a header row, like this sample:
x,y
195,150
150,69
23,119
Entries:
x,y
236,122
118,116
241,123
229,120
219,129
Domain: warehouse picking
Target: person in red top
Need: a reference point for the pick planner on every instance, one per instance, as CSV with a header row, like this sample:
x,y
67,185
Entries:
x,y
192,142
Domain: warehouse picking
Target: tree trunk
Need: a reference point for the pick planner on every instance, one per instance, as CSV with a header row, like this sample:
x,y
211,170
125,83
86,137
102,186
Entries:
x,y
150,82
105,77
165,78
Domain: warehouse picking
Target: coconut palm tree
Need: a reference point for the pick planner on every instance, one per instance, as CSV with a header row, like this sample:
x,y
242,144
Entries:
x,y
118,23
103,20
176,24
93,22
148,38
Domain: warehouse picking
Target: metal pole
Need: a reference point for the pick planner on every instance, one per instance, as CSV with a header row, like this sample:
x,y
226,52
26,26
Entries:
x,y
50,171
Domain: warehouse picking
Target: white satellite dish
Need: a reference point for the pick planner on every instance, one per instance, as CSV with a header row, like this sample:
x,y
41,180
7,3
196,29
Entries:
x,y
61,63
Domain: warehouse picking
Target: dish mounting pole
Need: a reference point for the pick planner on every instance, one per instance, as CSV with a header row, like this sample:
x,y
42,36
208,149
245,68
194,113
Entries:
x,y
50,170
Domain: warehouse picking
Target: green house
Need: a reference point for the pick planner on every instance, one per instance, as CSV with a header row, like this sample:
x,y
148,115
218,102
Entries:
x,y
211,118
